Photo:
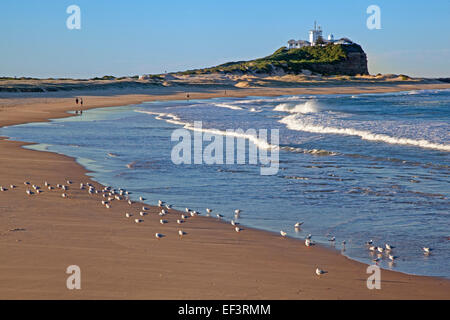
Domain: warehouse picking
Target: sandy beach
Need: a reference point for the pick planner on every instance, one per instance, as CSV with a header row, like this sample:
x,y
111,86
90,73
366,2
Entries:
x,y
41,235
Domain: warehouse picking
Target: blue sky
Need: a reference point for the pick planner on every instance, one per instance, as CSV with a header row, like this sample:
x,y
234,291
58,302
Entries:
x,y
146,36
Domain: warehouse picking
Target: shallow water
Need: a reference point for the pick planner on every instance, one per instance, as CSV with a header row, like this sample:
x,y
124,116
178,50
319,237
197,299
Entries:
x,y
368,166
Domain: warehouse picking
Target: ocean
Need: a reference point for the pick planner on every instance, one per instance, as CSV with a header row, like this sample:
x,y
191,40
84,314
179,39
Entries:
x,y
356,167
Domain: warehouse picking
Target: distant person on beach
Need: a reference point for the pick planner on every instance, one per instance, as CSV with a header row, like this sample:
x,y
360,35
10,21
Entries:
x,y
76,100
187,96
81,101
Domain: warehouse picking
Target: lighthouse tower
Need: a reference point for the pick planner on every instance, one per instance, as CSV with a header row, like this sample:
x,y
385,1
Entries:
x,y
315,34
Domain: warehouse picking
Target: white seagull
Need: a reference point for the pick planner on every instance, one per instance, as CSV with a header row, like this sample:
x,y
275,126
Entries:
x,y
159,235
283,234
320,271
392,257
298,225
237,229
162,221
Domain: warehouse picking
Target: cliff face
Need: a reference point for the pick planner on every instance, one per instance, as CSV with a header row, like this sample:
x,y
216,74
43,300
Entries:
x,y
354,63
332,59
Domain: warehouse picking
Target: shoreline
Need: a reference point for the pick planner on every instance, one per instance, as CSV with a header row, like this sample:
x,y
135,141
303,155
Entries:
x,y
253,264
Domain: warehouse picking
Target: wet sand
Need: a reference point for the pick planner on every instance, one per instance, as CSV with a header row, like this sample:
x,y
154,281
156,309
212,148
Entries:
x,y
41,235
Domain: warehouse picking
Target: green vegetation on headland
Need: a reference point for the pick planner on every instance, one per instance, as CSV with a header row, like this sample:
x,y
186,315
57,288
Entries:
x,y
332,59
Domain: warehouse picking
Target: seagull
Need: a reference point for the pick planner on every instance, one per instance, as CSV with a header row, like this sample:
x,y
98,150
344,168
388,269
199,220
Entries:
x,y
283,234
108,206
128,215
129,202
368,243
298,225
320,271
237,229
159,235
194,213
142,213
333,239
392,257
145,208
180,221
380,249
181,233
138,220
427,250
141,199
162,221
64,195
46,183
233,223
69,182
309,236
219,216
376,260
208,210
372,248
188,210
2,189
168,206
389,247
237,211
12,186
308,242
26,183
183,216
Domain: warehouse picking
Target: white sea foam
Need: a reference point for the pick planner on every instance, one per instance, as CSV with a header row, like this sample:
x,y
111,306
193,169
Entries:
x,y
171,118
310,106
293,122
228,106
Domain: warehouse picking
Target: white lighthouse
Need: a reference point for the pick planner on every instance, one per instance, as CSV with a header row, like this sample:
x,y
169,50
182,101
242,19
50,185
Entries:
x,y
315,34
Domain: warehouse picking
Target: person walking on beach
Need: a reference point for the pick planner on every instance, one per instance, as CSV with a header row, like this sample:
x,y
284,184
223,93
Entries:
x,y
81,101
187,96
76,101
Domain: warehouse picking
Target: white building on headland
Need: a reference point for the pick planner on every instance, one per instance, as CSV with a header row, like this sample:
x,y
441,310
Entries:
x,y
314,35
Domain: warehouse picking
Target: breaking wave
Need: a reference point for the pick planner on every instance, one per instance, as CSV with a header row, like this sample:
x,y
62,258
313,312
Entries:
x,y
310,106
292,122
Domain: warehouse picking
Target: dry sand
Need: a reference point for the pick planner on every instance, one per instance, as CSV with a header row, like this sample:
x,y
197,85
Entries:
x,y
41,235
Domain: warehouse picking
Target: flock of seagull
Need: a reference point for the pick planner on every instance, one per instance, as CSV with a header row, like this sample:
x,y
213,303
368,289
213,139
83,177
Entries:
x,y
109,195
